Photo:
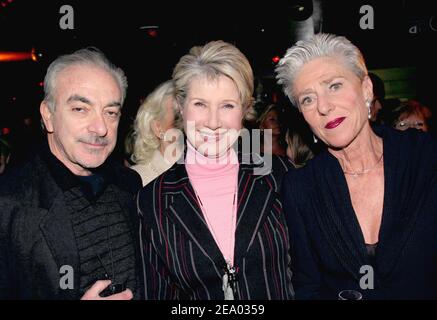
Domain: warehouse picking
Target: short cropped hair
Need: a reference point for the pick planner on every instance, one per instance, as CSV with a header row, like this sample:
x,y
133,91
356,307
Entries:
x,y
320,45
88,56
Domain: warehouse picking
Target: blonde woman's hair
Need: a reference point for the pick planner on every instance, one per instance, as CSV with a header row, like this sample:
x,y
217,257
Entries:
x,y
153,108
212,60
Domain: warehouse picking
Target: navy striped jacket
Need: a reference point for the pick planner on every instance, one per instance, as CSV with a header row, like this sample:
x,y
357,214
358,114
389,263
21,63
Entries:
x,y
180,257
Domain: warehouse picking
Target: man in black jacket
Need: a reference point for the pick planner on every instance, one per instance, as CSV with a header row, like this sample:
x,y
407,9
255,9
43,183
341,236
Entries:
x,y
67,219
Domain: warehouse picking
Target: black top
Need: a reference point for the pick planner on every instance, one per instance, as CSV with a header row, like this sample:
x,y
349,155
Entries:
x,y
328,248
371,249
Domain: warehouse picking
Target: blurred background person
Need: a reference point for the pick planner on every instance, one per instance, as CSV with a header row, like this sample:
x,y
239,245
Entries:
x,y
412,114
5,149
378,97
153,135
300,143
271,119
128,146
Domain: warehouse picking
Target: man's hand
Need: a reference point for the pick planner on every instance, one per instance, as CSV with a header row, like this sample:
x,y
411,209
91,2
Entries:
x,y
93,293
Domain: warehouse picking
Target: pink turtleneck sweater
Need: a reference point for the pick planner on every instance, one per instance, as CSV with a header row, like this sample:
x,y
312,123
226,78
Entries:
x,y
216,184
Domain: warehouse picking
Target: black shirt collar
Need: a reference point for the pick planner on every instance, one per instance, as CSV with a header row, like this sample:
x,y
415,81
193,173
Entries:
x,y
66,180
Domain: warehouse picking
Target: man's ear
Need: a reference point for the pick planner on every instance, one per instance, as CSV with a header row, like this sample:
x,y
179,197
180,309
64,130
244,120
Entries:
x,y
47,116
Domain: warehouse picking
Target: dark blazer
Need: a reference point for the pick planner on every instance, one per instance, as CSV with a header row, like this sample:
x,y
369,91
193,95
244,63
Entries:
x,y
181,258
36,235
328,247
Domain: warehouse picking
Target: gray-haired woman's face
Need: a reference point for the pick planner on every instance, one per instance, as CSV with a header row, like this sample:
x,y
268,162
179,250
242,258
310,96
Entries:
x,y
332,100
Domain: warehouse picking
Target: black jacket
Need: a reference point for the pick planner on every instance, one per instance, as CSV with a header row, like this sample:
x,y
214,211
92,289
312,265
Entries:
x,y
328,247
36,236
181,258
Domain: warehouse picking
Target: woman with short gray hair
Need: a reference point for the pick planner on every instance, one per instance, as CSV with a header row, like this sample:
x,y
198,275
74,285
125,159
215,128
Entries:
x,y
361,215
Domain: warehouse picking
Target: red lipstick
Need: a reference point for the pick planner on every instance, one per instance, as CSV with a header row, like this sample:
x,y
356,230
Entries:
x,y
334,123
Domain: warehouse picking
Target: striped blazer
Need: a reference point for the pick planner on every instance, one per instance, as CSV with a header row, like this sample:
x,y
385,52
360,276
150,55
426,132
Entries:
x,y
181,260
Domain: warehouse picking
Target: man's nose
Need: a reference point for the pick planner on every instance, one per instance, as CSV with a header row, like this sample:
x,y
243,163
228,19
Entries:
x,y
98,125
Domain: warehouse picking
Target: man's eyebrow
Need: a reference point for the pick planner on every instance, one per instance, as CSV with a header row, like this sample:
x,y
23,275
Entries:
x,y
113,104
76,97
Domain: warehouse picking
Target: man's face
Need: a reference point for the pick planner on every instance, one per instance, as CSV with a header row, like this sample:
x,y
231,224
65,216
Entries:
x,y
83,127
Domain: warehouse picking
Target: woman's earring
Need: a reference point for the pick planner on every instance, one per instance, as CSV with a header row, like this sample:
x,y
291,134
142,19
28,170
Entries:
x,y
161,135
368,104
315,139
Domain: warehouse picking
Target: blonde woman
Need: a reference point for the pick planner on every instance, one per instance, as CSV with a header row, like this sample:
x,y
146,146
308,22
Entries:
x,y
213,228
155,138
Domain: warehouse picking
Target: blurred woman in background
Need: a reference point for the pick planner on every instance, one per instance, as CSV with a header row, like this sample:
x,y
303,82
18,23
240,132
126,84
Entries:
x,y
412,114
156,143
270,119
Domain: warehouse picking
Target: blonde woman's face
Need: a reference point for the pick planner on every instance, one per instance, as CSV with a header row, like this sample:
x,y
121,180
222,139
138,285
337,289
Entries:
x,y
212,115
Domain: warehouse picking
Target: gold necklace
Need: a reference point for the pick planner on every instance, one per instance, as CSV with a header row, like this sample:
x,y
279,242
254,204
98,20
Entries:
x,y
355,174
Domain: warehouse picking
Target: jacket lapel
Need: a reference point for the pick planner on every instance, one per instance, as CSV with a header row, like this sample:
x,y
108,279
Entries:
x,y
58,233
253,192
255,199
182,207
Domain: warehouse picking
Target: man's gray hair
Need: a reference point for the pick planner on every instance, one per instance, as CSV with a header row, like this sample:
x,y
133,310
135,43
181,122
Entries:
x,y
320,45
88,56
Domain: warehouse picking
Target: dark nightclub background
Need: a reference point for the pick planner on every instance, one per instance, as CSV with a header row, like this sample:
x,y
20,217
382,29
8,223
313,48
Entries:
x,y
146,39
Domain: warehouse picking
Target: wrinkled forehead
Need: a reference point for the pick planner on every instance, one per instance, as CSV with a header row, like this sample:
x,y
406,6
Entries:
x,y
87,80
319,70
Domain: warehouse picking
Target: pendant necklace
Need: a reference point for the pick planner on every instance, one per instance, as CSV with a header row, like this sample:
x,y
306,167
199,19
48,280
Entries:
x,y
229,279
